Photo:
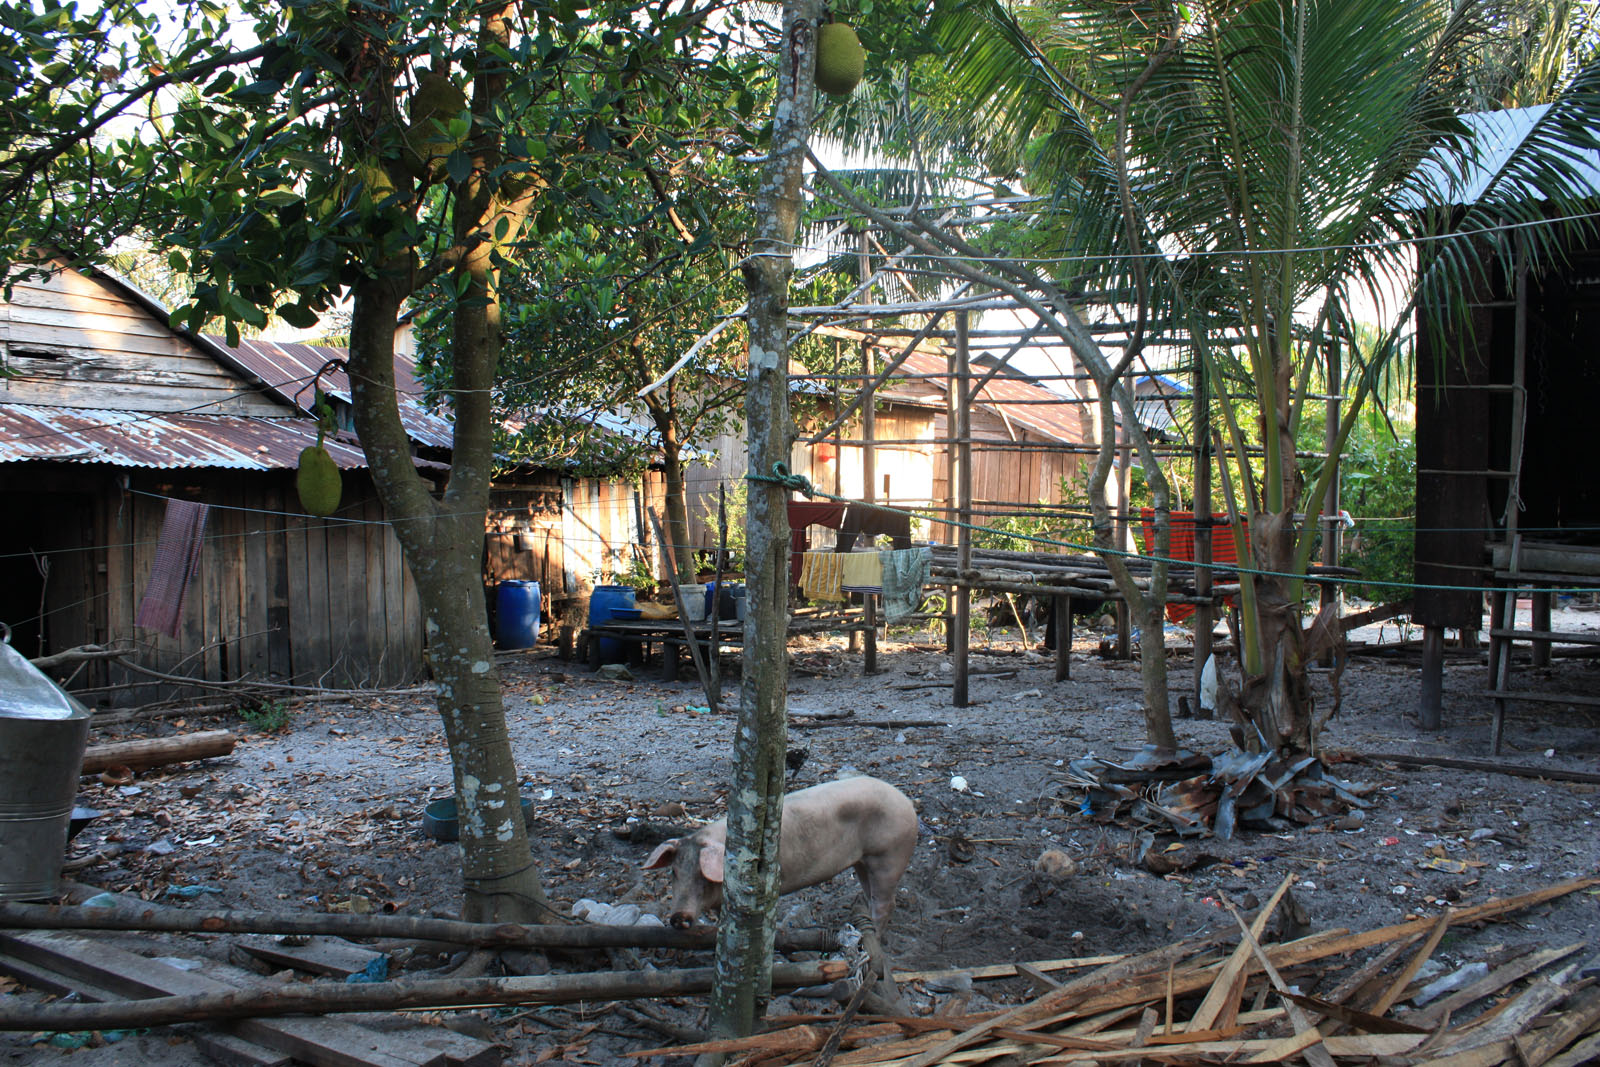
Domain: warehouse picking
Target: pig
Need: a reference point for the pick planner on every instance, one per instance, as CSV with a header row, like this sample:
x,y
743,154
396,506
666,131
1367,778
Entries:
x,y
853,822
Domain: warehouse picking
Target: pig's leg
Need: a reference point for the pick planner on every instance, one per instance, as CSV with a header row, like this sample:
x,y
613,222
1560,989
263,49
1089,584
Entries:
x,y
879,887
880,876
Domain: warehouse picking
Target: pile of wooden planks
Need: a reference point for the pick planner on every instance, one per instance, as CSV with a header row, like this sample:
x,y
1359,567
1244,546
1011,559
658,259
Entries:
x,y
1195,1003
94,969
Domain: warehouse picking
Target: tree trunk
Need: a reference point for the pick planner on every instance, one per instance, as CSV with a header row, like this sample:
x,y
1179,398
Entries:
x,y
755,805
682,552
443,539
1147,609
1280,700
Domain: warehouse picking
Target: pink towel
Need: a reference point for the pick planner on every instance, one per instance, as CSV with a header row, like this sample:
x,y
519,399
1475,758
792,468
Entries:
x,y
177,558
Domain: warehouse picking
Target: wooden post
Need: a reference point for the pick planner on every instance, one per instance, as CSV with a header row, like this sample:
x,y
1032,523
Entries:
x,y
962,446
1539,622
869,463
714,651
1499,600
688,624
952,467
1332,529
1125,541
1430,713
1061,604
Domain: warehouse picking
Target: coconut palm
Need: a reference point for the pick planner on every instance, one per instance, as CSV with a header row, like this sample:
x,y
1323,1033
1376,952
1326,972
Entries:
x,y
1252,172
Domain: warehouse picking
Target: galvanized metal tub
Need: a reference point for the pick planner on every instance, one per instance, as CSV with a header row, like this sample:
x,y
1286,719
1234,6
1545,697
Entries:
x,y
39,764
42,737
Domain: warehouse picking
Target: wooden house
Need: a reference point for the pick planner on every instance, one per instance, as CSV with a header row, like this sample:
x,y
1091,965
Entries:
x,y
1028,443
107,413
1502,504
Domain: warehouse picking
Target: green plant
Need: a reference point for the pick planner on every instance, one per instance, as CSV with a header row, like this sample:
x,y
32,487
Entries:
x,y
1040,531
1379,486
267,716
637,574
738,505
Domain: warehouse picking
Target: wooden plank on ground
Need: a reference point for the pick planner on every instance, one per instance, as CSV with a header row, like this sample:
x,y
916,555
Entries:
x,y
224,1047
1492,983
1542,1045
332,956
321,1042
234,1051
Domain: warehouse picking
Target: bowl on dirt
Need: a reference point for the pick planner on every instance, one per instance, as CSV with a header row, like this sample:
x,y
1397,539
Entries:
x,y
441,822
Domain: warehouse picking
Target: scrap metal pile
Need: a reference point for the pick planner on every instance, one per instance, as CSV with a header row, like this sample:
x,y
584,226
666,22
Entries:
x,y
1192,794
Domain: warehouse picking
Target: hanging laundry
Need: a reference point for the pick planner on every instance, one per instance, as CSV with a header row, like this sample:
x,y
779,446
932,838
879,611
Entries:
x,y
863,572
177,558
869,521
802,514
905,571
820,576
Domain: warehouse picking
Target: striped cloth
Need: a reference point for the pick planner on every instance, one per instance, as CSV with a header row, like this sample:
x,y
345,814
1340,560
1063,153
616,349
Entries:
x,y
821,574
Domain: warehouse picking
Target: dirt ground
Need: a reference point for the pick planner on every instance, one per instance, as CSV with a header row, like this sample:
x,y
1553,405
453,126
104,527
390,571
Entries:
x,y
325,814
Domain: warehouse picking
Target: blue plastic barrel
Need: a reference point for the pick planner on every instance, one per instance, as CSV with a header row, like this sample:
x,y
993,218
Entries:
x,y
603,603
517,612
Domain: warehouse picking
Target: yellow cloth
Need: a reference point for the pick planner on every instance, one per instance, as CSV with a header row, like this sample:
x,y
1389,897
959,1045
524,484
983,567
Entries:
x,y
820,575
863,570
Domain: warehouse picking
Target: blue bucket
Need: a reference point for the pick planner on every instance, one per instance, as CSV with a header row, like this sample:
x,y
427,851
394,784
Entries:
x,y
604,603
517,613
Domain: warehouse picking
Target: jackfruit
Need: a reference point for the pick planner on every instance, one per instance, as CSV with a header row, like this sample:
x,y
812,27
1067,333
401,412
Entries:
x,y
318,481
375,180
436,97
841,61
436,101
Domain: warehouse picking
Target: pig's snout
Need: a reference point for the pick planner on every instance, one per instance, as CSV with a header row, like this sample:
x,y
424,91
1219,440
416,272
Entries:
x,y
681,920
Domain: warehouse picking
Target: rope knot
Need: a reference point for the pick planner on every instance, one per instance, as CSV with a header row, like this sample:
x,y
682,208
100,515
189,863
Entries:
x,y
780,476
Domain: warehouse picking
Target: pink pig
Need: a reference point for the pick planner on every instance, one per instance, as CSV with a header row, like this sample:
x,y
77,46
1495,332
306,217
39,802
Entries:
x,y
854,822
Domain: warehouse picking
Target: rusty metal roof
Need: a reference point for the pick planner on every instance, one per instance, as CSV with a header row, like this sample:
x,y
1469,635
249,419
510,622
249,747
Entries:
x,y
145,439
290,368
1020,401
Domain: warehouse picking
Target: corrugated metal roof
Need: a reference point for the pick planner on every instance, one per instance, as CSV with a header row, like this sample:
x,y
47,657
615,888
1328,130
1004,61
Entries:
x,y
143,439
289,369
1448,178
1015,399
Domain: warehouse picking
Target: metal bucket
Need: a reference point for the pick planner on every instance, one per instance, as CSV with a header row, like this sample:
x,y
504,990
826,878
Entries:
x,y
42,737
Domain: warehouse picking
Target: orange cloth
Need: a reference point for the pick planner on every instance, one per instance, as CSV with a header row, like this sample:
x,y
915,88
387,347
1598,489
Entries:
x,y
1182,547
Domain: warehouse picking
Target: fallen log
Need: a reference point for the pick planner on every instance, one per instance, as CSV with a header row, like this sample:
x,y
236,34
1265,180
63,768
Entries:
x,y
326,998
150,919
1487,766
156,751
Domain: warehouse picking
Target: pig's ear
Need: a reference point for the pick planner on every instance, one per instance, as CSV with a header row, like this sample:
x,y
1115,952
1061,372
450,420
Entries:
x,y
712,854
662,855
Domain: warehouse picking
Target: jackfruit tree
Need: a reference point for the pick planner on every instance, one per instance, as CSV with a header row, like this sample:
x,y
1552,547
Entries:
x,y
406,155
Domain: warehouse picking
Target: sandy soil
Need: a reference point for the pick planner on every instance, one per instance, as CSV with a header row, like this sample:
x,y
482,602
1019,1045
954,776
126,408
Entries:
x,y
327,812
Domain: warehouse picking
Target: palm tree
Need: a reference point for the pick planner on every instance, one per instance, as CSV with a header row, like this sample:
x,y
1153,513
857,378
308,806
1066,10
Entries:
x,y
1251,172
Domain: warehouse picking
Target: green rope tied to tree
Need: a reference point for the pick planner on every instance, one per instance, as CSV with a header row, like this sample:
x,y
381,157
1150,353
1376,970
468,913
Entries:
x,y
780,476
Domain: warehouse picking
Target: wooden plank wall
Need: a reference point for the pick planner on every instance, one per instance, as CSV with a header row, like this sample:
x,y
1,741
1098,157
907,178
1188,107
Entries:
x,y
522,507
72,329
277,594
600,528
916,473
1002,478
